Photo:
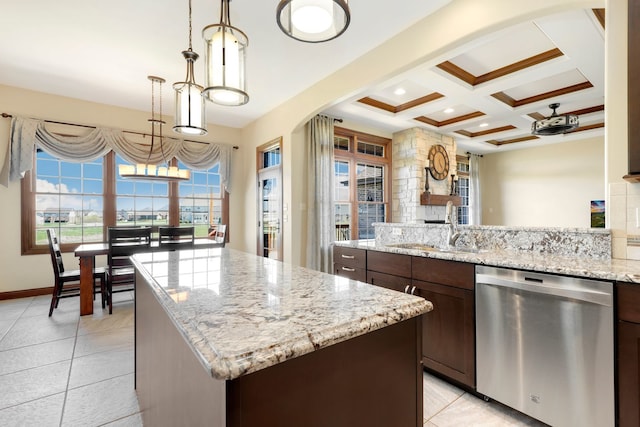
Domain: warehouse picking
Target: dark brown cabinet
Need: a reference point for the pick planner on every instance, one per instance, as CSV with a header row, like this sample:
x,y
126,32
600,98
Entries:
x,y
392,271
448,332
633,98
350,263
628,325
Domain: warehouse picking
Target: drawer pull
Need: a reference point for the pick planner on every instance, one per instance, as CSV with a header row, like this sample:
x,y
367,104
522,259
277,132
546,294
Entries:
x,y
347,256
351,270
406,289
413,290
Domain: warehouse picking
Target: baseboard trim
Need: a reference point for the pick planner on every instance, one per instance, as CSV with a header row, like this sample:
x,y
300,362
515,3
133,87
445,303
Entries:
x,y
25,293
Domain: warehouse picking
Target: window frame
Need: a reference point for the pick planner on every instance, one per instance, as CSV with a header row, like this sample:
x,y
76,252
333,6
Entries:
x,y
353,157
109,215
463,175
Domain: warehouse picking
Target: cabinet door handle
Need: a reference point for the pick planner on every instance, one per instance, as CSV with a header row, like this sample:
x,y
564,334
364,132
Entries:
x,y
413,290
406,289
351,270
347,256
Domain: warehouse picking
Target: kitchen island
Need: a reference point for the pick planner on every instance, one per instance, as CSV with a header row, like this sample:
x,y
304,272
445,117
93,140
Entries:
x,y
226,338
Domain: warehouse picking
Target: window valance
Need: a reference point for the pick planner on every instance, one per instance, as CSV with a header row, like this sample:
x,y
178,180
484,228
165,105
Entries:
x,y
27,133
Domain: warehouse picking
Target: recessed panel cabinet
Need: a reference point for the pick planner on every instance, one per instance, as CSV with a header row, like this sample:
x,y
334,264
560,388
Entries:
x,y
448,332
628,325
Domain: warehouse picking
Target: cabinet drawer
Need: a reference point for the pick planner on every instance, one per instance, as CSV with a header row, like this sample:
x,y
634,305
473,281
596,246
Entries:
x,y
628,304
359,274
451,273
396,264
350,257
388,281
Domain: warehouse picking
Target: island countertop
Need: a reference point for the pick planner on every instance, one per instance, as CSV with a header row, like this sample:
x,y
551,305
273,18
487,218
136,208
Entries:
x,y
241,313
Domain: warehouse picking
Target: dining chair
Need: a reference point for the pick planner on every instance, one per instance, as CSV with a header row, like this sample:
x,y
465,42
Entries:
x,y
171,238
67,282
218,233
123,243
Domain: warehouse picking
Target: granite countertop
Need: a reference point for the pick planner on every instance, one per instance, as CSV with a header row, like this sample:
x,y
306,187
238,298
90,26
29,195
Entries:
x,y
241,313
602,269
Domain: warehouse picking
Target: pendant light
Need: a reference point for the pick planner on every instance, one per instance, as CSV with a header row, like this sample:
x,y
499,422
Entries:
x,y
149,171
225,54
313,21
190,110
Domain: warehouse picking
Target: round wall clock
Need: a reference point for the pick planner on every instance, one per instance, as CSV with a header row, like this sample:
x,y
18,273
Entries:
x,y
438,162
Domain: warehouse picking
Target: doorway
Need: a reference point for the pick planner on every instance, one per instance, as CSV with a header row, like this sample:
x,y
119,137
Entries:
x,y
270,199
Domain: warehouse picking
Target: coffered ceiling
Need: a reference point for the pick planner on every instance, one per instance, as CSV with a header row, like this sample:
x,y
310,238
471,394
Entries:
x,y
487,93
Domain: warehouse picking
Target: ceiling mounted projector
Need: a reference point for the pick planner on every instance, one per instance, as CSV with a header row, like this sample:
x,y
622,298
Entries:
x,y
555,124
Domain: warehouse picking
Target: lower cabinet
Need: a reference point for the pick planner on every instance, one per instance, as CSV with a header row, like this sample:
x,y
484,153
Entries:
x,y
628,366
350,263
448,332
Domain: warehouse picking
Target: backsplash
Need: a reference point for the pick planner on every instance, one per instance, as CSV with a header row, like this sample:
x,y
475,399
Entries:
x,y
583,242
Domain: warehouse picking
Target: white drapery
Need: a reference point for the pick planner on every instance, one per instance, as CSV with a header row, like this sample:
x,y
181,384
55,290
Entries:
x,y
475,206
28,133
320,215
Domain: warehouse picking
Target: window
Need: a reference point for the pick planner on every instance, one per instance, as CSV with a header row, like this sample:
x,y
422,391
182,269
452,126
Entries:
x,y
80,200
463,189
361,197
69,198
201,200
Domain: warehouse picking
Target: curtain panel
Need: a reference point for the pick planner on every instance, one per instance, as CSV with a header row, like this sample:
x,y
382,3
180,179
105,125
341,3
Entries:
x,y
475,206
320,214
27,134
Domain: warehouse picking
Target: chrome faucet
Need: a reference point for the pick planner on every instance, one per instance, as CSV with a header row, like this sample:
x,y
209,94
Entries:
x,y
451,218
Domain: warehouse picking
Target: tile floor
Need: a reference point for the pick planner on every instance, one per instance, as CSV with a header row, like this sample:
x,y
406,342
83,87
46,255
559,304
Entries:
x,y
68,370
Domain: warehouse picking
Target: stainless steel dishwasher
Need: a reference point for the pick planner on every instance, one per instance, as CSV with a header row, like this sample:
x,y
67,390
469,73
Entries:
x,y
544,345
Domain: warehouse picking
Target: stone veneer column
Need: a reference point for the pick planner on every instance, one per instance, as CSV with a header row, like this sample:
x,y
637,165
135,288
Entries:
x,y
410,151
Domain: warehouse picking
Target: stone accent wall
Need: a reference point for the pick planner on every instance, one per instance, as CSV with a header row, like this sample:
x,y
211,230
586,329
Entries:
x,y
410,151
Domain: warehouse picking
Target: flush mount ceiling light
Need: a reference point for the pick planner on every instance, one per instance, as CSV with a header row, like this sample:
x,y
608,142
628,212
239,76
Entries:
x,y
555,124
148,171
190,110
225,54
313,21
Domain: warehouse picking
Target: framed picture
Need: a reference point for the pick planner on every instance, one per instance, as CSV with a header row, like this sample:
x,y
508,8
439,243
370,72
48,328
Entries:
x,y
597,213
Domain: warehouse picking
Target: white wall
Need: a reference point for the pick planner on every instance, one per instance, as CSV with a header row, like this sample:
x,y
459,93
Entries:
x,y
35,271
547,186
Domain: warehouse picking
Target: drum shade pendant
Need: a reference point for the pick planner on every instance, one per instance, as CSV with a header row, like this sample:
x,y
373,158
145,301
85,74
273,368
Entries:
x,y
313,21
148,170
555,124
190,109
225,55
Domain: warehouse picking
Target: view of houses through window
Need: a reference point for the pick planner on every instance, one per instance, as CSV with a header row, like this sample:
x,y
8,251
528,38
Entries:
x,y
71,197
361,163
463,189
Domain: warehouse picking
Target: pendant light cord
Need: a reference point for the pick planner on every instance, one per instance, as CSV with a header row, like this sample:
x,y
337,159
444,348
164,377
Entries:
x,y
190,26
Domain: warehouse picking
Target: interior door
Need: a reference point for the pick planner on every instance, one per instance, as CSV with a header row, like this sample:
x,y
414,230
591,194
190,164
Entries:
x,y
270,213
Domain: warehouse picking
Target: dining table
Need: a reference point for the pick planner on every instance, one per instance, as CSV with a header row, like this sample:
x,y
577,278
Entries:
x,y
87,253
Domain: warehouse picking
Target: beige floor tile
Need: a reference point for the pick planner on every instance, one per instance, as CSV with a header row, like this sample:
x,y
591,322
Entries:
x,y
40,329
40,306
100,403
101,320
111,339
5,325
437,395
32,356
12,309
31,384
45,412
100,366
471,411
132,421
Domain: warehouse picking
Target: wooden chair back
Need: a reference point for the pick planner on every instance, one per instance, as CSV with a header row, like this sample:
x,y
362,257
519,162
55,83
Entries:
x,y
171,238
56,253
